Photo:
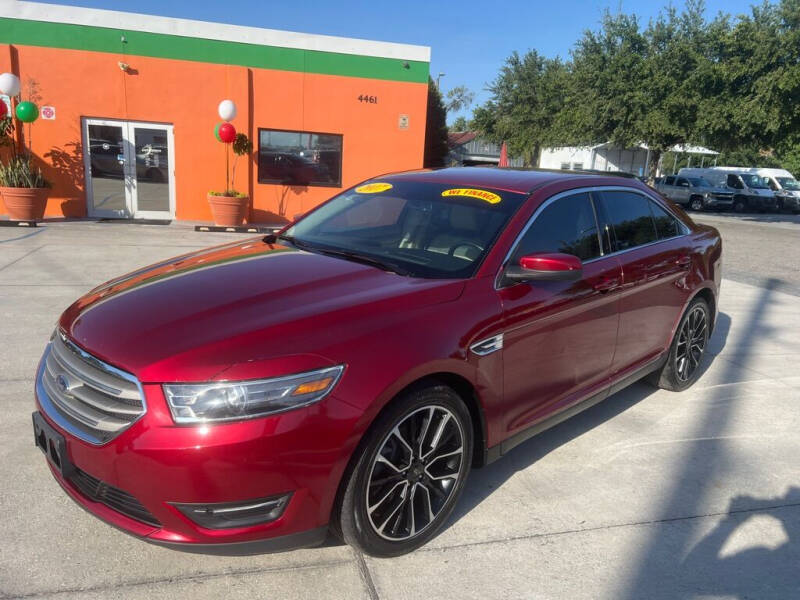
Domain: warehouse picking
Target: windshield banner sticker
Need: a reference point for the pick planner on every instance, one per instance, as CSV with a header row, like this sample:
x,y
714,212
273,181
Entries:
x,y
471,193
373,188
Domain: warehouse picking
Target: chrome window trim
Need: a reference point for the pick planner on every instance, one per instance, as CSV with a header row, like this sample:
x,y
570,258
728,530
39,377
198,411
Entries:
x,y
590,190
54,413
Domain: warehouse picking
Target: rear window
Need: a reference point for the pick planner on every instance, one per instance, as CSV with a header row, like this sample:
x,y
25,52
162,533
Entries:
x,y
631,219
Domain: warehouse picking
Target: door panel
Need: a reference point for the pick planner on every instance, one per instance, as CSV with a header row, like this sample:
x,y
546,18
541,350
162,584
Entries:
x,y
559,341
559,336
107,156
655,257
152,172
652,298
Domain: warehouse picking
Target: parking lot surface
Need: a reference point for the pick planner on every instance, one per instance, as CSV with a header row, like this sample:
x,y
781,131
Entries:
x,y
649,494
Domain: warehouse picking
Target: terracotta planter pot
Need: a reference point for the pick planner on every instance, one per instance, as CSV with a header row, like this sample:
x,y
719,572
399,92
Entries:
x,y
228,211
25,204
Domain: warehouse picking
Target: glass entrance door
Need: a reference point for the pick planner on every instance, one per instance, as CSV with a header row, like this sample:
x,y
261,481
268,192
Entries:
x,y
129,169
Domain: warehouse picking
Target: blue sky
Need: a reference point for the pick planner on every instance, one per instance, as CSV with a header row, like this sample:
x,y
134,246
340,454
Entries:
x,y
469,40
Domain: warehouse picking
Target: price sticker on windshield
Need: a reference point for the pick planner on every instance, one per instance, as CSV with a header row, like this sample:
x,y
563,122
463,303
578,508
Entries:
x,y
373,188
472,193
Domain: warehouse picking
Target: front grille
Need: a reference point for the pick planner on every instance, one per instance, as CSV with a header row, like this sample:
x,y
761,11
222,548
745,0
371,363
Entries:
x,y
94,400
114,498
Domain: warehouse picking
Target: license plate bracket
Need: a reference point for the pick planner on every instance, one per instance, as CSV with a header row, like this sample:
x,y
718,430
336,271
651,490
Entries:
x,y
53,444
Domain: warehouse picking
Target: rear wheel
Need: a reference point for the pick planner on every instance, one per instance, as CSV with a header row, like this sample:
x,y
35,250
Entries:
x,y
686,351
409,475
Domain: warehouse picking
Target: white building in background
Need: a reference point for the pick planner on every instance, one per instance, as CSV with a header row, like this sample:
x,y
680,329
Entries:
x,y
607,157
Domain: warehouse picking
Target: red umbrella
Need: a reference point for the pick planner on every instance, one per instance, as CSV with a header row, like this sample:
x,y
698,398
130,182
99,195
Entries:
x,y
503,156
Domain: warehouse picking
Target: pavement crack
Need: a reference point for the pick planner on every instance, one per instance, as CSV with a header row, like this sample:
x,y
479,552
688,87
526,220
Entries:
x,y
26,255
608,527
179,579
366,576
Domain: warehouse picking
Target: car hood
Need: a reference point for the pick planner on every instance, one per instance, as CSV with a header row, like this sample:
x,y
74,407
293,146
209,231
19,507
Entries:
x,y
192,317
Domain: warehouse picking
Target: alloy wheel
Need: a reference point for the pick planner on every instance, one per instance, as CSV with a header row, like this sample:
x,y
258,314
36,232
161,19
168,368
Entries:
x,y
415,472
692,340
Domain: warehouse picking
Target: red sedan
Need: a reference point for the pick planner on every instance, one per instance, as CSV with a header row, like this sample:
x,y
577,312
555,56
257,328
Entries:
x,y
348,372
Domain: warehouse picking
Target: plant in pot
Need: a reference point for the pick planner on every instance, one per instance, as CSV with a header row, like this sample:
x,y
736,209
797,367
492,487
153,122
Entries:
x,y
22,186
229,207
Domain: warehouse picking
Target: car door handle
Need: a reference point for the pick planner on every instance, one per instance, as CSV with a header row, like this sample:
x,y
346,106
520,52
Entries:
x,y
606,284
684,261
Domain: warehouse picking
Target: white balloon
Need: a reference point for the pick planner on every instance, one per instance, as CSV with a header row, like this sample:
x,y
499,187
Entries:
x,y
9,84
227,110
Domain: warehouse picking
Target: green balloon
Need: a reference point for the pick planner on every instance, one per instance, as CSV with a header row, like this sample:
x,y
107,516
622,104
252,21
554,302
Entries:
x,y
216,131
27,112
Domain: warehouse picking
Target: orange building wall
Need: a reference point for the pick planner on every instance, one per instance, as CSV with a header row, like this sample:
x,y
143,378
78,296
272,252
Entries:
x,y
186,94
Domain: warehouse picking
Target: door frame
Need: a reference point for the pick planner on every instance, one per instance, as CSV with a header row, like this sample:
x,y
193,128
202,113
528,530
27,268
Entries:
x,y
129,170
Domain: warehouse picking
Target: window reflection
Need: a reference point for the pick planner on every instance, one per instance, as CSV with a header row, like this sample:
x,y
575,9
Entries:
x,y
299,158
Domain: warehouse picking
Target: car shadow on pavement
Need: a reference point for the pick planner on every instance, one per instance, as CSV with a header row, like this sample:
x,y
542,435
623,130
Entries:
x,y
485,481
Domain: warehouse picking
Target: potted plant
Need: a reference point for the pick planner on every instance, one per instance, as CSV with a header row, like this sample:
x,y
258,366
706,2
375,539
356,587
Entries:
x,y
229,207
22,186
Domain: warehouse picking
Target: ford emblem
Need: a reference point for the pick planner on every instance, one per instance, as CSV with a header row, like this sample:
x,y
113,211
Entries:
x,y
62,382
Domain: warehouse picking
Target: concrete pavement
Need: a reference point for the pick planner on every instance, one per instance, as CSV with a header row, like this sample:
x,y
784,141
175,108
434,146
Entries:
x,y
650,494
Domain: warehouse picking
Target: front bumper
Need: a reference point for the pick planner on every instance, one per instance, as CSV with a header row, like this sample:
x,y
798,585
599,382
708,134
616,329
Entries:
x,y
790,202
718,201
157,463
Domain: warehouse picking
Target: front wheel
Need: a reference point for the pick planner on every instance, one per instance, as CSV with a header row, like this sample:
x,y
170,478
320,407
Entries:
x,y
409,475
739,205
686,351
696,204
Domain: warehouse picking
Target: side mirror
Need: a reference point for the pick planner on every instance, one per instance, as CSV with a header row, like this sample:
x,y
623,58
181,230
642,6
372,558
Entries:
x,y
546,267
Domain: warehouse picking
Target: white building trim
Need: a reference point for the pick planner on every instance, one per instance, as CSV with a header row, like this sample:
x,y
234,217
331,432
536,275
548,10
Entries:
x,y
55,13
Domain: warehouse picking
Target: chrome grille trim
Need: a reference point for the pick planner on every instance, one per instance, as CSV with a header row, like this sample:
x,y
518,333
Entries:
x,y
84,395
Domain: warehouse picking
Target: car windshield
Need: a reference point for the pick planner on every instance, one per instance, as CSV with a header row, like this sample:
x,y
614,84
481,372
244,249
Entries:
x,y
698,182
413,228
755,181
789,183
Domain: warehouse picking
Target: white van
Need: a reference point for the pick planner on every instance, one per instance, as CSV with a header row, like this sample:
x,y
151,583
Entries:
x,y
751,190
785,186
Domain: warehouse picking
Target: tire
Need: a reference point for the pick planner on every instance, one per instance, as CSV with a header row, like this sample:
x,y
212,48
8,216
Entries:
x,y
739,205
696,204
387,499
681,371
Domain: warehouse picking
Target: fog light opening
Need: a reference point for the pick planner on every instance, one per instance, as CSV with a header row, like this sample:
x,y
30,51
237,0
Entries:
x,y
228,515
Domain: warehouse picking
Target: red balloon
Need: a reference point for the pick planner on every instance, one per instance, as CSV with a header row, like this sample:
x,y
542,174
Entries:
x,y
3,109
227,133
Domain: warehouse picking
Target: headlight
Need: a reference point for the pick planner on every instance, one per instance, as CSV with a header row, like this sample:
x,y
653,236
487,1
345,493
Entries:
x,y
232,401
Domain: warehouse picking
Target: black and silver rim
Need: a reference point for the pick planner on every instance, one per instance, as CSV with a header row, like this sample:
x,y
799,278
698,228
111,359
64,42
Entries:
x,y
691,343
697,204
415,472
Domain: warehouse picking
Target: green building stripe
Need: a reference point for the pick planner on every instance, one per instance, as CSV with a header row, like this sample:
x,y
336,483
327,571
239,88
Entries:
x,y
139,43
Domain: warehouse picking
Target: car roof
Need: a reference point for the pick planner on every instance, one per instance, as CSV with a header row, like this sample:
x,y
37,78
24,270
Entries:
x,y
508,179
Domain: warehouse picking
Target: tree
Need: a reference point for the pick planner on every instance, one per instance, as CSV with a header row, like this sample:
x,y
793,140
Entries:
x,y
459,98
436,148
460,124
526,96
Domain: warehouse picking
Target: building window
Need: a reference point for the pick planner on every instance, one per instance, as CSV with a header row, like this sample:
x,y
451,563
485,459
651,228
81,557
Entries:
x,y
565,166
299,158
577,166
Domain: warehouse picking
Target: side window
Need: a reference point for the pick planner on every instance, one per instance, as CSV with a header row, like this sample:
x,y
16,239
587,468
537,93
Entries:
x,y
669,180
733,181
667,226
629,215
682,182
568,225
